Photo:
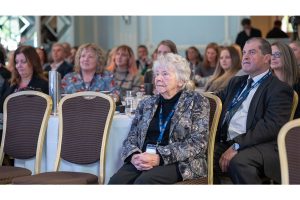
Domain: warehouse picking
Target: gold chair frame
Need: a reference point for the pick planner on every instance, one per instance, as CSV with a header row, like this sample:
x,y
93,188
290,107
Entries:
x,y
284,165
294,105
41,138
87,95
212,135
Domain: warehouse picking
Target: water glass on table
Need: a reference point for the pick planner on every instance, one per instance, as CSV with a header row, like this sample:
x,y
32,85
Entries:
x,y
129,103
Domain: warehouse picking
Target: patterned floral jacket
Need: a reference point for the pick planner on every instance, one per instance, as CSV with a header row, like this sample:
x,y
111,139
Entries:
x,y
73,82
188,133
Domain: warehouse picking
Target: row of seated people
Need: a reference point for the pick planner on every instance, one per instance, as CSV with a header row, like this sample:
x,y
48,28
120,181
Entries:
x,y
174,123
210,73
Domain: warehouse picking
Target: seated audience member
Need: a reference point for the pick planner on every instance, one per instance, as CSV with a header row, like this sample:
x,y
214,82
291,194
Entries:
x,y
43,55
238,48
10,63
27,73
255,107
165,46
4,73
72,56
276,32
211,57
125,71
284,66
170,146
143,63
59,64
195,59
110,59
67,48
228,65
295,45
148,76
89,73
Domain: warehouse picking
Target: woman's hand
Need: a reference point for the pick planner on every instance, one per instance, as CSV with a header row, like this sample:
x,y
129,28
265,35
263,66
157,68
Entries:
x,y
145,161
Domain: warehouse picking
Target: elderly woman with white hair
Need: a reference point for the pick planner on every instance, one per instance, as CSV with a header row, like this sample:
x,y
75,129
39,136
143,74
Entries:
x,y
168,139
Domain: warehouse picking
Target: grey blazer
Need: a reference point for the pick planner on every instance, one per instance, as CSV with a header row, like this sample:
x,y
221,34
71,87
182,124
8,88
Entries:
x,y
188,135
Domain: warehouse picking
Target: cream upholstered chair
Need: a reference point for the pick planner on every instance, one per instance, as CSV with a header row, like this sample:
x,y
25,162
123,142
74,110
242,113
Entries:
x,y
25,118
289,153
214,116
85,119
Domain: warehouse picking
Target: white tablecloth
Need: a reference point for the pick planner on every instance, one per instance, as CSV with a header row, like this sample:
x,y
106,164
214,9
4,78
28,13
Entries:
x,y
119,129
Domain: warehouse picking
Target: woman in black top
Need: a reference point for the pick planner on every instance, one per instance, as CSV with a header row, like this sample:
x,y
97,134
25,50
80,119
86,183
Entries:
x,y
168,138
27,73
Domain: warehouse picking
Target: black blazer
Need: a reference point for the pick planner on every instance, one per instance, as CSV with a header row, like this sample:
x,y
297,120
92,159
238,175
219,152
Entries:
x,y
63,69
269,110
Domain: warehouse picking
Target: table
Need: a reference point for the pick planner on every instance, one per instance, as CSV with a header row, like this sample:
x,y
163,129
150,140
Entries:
x,y
119,130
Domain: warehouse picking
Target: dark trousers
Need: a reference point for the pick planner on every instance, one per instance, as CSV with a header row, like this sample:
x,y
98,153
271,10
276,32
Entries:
x,y
128,174
247,167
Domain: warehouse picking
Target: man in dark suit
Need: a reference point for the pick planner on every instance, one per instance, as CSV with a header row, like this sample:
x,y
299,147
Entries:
x,y
255,107
247,33
59,64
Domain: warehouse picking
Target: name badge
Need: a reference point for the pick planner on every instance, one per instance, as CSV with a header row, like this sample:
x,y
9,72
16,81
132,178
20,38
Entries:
x,y
151,148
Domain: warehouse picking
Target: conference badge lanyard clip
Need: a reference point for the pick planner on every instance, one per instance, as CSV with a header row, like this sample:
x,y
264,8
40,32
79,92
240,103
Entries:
x,y
151,148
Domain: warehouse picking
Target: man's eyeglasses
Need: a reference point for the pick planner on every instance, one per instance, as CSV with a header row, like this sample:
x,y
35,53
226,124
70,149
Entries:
x,y
276,54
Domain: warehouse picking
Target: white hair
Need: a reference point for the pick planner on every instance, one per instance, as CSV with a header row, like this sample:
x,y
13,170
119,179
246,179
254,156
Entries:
x,y
176,62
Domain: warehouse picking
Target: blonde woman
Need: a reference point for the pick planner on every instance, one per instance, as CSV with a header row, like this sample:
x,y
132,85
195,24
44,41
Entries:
x,y
89,73
228,65
284,66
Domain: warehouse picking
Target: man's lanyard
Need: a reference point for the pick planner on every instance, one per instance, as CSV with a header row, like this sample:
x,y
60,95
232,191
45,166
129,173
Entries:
x,y
162,126
237,98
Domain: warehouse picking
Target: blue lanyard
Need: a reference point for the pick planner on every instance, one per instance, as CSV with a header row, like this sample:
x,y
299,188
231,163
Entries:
x,y
237,98
162,126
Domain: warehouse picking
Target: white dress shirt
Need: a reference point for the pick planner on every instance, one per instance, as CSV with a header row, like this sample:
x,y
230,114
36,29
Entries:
x,y
55,66
237,125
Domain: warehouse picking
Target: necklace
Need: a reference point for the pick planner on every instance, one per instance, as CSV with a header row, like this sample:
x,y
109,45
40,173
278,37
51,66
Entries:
x,y
87,85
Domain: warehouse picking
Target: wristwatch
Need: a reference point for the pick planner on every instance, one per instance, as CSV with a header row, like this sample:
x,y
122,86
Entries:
x,y
236,146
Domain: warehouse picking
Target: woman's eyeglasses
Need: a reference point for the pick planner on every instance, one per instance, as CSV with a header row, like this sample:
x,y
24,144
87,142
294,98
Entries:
x,y
276,54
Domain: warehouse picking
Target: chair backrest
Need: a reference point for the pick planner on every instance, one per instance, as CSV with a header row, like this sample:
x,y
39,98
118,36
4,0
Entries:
x,y
85,119
289,154
25,119
294,105
214,116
